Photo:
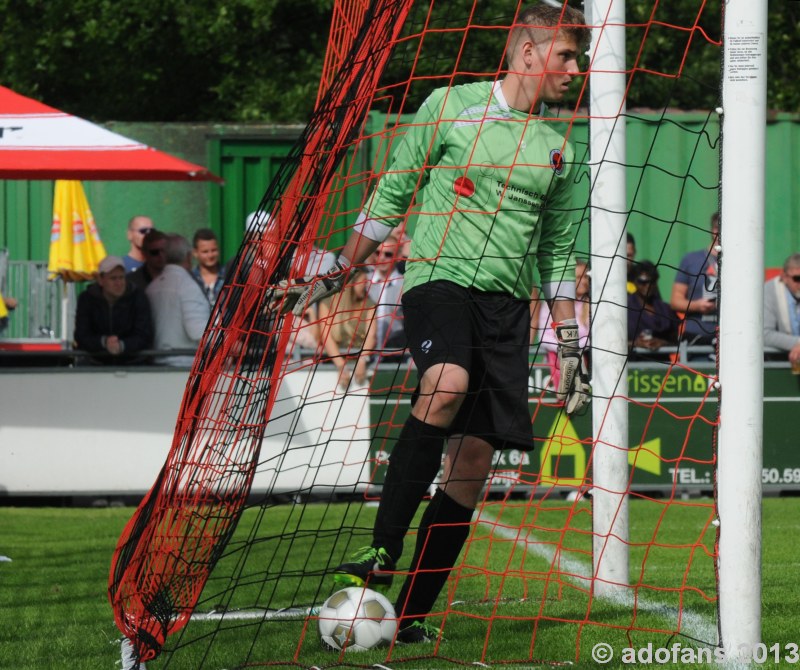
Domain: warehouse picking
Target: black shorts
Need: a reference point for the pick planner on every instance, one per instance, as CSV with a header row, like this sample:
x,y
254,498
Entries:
x,y
487,334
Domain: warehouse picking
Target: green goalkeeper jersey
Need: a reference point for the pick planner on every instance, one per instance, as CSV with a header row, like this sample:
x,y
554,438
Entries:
x,y
493,186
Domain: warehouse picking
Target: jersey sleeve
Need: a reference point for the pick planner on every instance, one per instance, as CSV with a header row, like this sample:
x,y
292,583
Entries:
x,y
556,259
420,148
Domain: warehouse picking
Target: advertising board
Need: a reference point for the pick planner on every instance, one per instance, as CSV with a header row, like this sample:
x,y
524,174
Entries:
x,y
672,417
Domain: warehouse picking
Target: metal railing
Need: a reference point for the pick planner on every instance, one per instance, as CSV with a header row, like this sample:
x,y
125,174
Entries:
x,y
42,303
43,306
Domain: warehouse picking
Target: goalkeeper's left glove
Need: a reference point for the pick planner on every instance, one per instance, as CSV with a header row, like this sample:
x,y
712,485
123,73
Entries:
x,y
297,295
573,387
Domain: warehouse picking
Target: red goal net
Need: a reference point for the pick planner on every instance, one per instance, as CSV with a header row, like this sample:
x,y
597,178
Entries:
x,y
279,452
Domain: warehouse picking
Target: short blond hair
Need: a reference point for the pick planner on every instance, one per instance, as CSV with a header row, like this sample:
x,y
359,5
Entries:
x,y
543,23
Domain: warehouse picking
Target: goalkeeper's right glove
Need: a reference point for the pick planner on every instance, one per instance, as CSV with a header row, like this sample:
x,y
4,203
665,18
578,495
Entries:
x,y
573,386
297,295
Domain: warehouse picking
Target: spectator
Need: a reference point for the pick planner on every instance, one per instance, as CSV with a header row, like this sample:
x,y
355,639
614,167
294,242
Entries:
x,y
318,259
180,308
305,341
113,316
548,342
385,290
651,322
694,291
630,253
154,248
7,304
402,244
782,310
306,338
348,328
138,227
208,272
257,221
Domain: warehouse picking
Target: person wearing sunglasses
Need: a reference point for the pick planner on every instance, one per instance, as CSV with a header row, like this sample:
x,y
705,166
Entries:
x,y
180,307
138,227
154,250
651,321
385,290
782,311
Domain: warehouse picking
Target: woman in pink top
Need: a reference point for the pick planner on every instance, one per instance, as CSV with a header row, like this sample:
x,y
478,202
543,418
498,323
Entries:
x,y
548,345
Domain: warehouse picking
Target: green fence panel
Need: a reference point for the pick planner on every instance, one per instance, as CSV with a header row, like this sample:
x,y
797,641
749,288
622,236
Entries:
x,y
672,185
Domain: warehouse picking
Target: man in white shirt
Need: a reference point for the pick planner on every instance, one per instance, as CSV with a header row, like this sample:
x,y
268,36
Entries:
x,y
782,310
180,308
385,290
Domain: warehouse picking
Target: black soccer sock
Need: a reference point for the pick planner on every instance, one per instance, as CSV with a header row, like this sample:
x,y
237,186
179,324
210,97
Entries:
x,y
413,464
444,529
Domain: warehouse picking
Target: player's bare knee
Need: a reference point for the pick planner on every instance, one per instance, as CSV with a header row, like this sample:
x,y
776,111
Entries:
x,y
441,394
437,409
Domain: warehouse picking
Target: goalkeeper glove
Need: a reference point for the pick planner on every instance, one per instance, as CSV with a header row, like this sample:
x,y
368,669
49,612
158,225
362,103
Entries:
x,y
573,387
297,295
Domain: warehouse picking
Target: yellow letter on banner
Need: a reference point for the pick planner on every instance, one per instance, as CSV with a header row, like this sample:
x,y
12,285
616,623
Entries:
x,y
562,442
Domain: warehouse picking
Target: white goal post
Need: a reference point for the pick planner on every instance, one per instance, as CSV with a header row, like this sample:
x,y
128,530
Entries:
x,y
609,333
741,370
741,360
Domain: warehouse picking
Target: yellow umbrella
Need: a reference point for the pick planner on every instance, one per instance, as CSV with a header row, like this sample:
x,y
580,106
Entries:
x,y
75,246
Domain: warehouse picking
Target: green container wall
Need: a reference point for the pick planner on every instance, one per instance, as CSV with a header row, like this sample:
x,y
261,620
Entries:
x,y
26,212
783,188
248,163
672,177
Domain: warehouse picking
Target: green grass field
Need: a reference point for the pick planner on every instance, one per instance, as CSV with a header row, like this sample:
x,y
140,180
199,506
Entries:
x,y
54,612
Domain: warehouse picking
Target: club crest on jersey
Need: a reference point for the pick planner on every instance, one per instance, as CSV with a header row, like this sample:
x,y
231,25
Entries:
x,y
464,186
557,161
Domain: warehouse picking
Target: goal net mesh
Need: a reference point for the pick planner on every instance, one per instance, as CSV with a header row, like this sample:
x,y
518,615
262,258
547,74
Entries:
x,y
276,465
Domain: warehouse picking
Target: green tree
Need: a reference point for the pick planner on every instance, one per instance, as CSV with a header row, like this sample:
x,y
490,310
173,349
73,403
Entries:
x,y
261,60
182,60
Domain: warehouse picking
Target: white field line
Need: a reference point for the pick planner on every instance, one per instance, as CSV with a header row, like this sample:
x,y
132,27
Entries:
x,y
128,656
245,615
693,624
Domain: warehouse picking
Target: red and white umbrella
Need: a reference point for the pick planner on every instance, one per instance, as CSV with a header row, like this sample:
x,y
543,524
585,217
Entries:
x,y
40,142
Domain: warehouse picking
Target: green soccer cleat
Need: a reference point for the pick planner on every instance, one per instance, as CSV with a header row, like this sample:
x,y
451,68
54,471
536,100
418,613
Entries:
x,y
417,632
370,566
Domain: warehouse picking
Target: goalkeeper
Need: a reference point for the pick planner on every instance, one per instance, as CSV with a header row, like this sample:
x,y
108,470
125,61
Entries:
x,y
494,184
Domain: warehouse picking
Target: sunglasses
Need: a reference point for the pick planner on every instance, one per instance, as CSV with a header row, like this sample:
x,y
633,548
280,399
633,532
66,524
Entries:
x,y
143,231
795,278
644,280
386,254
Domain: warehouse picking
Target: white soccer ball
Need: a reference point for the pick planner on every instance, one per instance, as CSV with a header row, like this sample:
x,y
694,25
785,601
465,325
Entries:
x,y
356,619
